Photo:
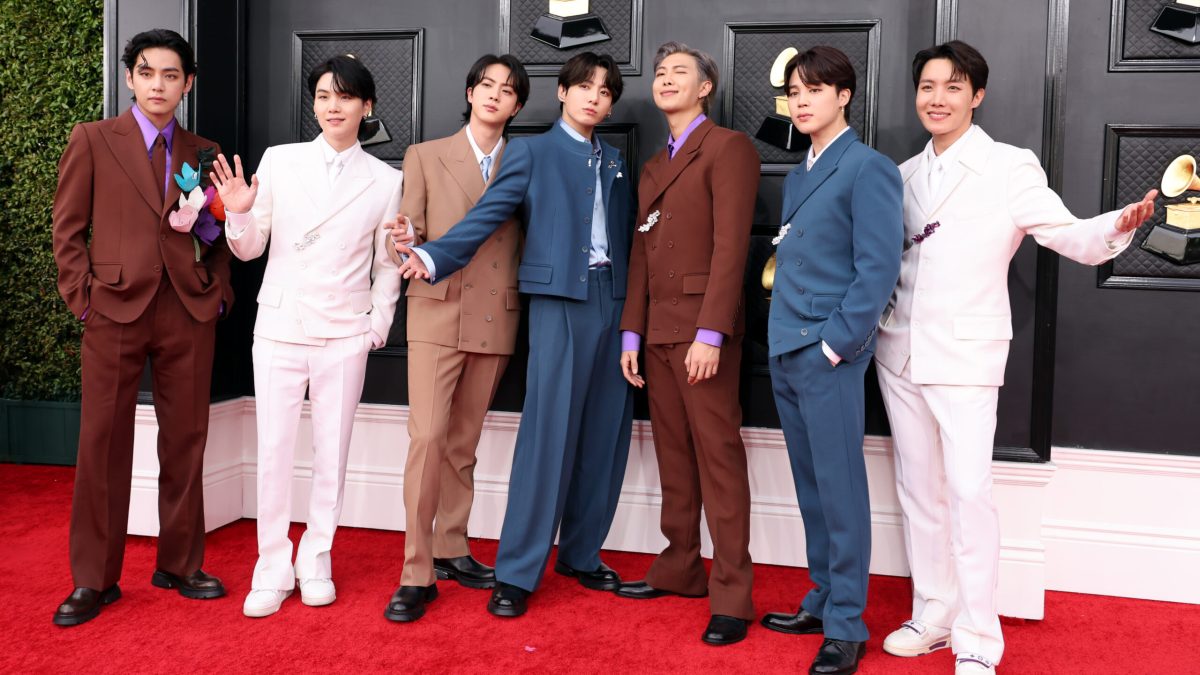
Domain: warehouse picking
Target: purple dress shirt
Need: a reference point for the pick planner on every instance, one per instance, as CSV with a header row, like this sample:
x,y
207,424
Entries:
x,y
150,134
631,341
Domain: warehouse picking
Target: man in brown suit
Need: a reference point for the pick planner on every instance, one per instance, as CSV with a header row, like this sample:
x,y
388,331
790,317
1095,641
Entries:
x,y
461,334
144,289
685,295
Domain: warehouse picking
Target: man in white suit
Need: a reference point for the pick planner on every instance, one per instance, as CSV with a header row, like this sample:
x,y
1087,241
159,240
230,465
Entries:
x,y
943,343
328,296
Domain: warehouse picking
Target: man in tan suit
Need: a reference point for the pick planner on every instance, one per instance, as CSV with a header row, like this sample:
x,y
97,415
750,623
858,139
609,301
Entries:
x,y
685,296
461,334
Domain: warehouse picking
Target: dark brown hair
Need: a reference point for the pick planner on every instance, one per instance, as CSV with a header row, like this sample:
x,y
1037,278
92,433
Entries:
x,y
967,62
580,68
518,79
824,65
159,37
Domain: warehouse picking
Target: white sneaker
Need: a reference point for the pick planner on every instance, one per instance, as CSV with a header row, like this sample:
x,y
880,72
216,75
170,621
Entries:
x,y
263,602
914,638
973,664
316,592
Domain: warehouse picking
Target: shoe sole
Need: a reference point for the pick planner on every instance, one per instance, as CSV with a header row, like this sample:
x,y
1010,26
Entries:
x,y
408,617
504,612
161,580
317,602
721,643
261,612
785,631
655,596
588,583
447,575
108,597
917,651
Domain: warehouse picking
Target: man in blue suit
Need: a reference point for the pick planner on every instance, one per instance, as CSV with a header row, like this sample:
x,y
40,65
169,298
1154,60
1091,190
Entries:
x,y
574,193
836,265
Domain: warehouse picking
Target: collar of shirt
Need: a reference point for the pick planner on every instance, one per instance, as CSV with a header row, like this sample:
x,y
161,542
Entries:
x,y
596,148
330,155
814,156
480,154
674,145
151,132
948,156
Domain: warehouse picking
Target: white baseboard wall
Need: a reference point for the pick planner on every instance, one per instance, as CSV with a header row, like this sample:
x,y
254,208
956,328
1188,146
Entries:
x,y
1091,521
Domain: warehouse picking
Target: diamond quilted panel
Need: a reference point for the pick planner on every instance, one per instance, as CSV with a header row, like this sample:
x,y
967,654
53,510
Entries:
x,y
1141,161
391,60
1142,43
752,95
617,16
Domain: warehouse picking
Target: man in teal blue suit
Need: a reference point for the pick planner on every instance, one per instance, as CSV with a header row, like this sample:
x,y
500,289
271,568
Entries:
x,y
836,265
573,191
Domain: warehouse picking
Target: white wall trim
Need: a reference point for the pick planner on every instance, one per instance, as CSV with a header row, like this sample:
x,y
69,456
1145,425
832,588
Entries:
x,y
1114,523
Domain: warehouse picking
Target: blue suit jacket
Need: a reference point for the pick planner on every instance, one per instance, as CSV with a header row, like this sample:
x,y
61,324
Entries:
x,y
547,179
839,262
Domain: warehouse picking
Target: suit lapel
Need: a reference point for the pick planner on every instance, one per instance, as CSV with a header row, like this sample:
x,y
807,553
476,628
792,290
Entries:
x,y
459,161
670,168
128,148
972,159
314,178
183,149
915,180
356,177
825,167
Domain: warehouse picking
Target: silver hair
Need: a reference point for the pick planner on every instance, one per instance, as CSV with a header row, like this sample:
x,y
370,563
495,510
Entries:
x,y
706,66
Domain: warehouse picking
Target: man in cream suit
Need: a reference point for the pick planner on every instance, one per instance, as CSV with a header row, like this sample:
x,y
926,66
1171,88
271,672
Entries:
x,y
943,343
327,297
461,334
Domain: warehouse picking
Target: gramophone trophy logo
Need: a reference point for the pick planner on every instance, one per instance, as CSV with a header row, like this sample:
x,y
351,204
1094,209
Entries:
x,y
777,128
567,24
1179,20
1178,240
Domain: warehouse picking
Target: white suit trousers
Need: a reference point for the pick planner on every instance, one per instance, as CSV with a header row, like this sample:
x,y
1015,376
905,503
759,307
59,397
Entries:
x,y
943,437
333,375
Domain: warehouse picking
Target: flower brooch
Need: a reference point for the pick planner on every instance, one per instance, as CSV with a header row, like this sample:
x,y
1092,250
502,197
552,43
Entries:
x,y
782,233
926,233
650,221
199,208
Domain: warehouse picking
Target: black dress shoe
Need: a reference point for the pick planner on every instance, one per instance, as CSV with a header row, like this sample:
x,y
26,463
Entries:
x,y
724,630
408,602
838,657
603,578
83,604
466,570
800,623
507,600
197,585
640,590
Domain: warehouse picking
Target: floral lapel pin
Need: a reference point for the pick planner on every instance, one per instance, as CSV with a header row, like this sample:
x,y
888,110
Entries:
x,y
199,208
782,233
650,221
926,233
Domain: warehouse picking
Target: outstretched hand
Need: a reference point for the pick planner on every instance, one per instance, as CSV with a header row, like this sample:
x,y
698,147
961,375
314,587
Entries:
x,y
236,194
413,267
1135,214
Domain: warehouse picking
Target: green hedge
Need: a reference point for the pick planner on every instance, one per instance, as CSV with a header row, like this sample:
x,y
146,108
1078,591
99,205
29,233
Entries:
x,y
51,76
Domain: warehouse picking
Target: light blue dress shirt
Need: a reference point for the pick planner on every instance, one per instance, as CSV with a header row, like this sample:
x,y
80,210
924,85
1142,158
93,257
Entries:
x,y
599,252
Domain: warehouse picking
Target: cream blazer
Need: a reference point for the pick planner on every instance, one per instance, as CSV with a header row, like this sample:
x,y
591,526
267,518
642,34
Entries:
x,y
949,318
343,283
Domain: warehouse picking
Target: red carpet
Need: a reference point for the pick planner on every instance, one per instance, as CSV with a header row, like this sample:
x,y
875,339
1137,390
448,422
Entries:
x,y
567,629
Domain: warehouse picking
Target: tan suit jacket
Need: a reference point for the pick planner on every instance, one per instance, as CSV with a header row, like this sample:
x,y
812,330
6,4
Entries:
x,y
477,308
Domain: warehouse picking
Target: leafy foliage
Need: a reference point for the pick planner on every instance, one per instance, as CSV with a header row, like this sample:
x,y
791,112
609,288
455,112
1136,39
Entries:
x,y
51,77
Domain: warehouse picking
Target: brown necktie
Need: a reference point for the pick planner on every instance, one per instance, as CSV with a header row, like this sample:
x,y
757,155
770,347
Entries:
x,y
158,163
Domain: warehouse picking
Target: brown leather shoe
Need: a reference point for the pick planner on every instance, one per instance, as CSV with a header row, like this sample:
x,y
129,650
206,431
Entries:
x,y
83,604
197,585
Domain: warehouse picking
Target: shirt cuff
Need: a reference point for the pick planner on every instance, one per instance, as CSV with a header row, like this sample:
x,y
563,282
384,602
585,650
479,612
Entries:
x,y
710,337
236,223
630,341
376,341
428,263
833,358
1115,239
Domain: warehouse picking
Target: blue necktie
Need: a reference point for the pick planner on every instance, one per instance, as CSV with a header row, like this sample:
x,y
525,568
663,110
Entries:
x,y
486,167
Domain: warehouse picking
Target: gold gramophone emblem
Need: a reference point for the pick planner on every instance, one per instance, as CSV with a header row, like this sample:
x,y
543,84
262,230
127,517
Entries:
x,y
777,128
1178,240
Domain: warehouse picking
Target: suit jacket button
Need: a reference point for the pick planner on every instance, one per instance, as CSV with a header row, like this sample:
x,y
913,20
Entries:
x,y
583,249
587,219
799,263
157,268
583,278
493,291
671,274
495,265
670,244
163,237
589,191
674,301
329,297
483,344
804,331
668,215
654,301
467,287
487,318
676,330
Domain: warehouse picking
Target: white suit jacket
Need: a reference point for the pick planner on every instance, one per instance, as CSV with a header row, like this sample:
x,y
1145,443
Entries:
x,y
949,314
342,284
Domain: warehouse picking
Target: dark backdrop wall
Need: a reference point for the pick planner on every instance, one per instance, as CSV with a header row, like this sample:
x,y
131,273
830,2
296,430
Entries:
x,y
1084,369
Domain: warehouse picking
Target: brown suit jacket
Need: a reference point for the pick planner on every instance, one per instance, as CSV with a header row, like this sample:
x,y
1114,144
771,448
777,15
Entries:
x,y
686,272
106,185
477,308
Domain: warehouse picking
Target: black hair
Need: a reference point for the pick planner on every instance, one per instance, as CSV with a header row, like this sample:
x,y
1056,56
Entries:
x,y
159,37
580,68
350,77
967,62
518,79
824,65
